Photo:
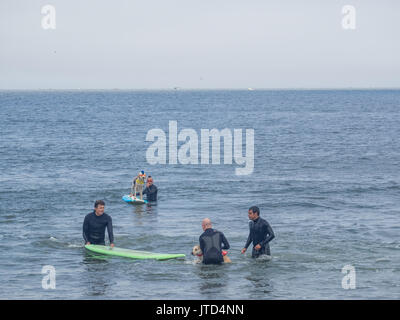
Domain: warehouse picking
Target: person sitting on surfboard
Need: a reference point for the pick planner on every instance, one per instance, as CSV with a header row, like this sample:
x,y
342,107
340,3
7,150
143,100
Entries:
x,y
95,224
137,185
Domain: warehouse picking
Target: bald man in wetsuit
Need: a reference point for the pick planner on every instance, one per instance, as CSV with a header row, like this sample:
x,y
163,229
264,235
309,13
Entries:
x,y
95,224
211,243
260,234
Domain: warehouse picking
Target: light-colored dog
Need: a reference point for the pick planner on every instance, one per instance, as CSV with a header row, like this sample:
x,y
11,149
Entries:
x,y
137,185
196,251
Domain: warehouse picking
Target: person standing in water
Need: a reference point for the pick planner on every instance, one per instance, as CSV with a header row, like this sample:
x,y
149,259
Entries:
x,y
260,234
210,243
151,190
95,224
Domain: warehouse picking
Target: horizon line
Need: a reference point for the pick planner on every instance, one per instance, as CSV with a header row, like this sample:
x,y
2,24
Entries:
x,y
201,89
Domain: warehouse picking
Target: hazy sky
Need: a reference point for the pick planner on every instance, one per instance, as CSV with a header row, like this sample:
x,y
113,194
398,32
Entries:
x,y
199,44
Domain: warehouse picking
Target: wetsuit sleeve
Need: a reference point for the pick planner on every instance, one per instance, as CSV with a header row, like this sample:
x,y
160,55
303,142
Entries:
x,y
225,243
249,240
269,234
110,230
150,191
201,242
86,229
153,193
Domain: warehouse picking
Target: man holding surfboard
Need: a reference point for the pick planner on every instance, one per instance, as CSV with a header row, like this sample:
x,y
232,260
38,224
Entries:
x,y
95,224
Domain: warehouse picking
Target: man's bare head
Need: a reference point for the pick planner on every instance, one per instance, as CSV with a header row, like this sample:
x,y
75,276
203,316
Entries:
x,y
206,224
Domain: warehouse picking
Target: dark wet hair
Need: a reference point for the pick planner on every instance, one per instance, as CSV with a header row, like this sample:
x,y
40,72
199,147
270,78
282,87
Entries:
x,y
99,202
255,209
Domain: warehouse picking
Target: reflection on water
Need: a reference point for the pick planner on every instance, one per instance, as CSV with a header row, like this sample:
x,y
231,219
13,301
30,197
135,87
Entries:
x,y
213,278
260,283
149,208
258,275
94,258
139,208
142,214
96,279
305,181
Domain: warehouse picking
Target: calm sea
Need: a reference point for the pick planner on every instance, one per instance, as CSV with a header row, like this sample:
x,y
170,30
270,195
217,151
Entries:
x,y
326,177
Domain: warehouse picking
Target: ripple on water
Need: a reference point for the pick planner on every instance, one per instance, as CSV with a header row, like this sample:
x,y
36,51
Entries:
x,y
327,207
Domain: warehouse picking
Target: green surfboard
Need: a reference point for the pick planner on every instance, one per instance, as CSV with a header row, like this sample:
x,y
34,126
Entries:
x,y
133,254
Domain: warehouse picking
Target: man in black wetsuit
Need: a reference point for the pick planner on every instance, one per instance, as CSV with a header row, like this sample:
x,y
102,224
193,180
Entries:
x,y
260,234
95,224
151,190
210,243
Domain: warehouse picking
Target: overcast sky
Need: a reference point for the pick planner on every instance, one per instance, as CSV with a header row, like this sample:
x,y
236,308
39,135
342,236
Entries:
x,y
139,44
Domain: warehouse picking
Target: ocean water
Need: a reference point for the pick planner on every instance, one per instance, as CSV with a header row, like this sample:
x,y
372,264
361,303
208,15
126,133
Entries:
x,y
326,177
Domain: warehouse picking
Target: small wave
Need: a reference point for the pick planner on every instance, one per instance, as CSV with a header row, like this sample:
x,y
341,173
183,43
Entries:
x,y
264,257
75,245
192,262
53,242
303,205
363,189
